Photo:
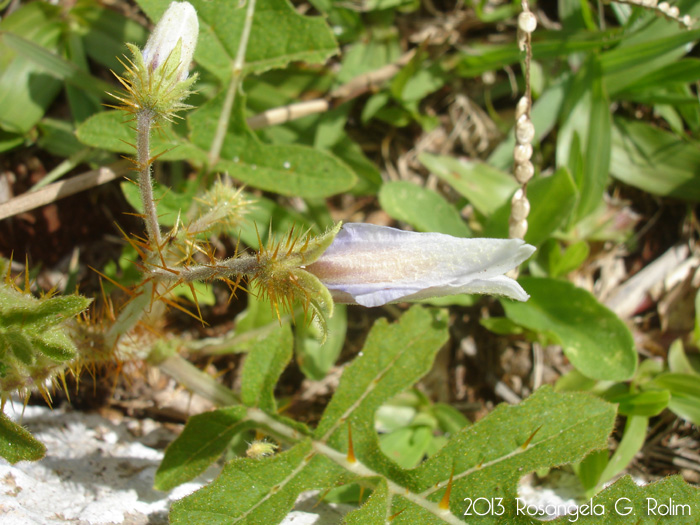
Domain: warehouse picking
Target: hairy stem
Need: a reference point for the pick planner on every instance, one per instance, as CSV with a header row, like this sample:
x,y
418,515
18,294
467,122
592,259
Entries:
x,y
144,122
222,124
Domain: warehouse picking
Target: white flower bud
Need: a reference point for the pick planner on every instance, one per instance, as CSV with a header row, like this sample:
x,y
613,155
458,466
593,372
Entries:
x,y
527,22
522,107
663,7
519,206
517,230
522,153
524,130
673,12
178,24
524,172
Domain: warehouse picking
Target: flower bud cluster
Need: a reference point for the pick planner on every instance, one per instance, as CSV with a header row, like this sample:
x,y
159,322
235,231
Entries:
x,y
523,168
668,11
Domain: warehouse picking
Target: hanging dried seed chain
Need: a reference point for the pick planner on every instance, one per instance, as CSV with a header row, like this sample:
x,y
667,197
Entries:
x,y
524,132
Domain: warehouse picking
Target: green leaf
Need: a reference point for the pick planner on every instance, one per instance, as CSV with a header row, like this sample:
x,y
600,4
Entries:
x,y
625,502
678,361
489,458
551,198
315,358
631,443
105,31
285,169
422,208
19,344
265,489
685,394
35,315
16,444
590,469
172,204
58,67
633,60
374,377
648,404
655,160
546,45
265,362
113,131
406,446
373,511
597,153
203,440
26,90
593,338
295,37
55,344
486,188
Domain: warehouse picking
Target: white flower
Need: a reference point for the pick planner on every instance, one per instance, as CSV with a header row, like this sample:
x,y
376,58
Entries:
x,y
178,24
375,265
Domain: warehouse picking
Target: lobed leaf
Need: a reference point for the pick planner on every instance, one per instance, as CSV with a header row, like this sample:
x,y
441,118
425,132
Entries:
x,y
625,502
265,489
203,440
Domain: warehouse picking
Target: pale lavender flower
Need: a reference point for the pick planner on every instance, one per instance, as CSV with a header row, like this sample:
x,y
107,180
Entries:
x,y
178,24
376,265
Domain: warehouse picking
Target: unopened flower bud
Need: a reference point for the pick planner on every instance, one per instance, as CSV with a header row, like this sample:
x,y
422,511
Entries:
x,y
520,206
524,172
673,12
517,230
522,153
527,22
522,107
178,24
524,130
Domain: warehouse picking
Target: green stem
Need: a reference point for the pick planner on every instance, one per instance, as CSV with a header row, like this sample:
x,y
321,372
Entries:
x,y
222,125
197,381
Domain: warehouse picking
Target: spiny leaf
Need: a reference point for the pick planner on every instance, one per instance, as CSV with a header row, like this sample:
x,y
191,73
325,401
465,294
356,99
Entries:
x,y
265,489
204,439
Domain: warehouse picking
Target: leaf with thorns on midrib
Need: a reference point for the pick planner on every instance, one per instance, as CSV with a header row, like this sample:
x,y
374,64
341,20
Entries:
x,y
484,460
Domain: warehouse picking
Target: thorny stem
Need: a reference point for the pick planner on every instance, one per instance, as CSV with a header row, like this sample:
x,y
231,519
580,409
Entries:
x,y
243,265
222,125
144,122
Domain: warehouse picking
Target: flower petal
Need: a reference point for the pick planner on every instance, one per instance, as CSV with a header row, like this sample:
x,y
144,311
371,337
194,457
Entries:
x,y
375,265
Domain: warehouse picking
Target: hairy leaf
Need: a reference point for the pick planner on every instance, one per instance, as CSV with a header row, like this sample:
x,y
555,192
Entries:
x,y
16,444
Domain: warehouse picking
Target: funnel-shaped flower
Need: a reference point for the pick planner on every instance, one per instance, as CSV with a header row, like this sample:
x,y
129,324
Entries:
x,y
375,265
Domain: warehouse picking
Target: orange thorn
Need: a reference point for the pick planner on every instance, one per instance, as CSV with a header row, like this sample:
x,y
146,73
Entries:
x,y
351,451
527,442
445,501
